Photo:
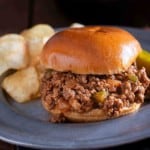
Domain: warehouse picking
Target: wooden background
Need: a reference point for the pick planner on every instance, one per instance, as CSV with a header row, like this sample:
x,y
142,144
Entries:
x,y
17,15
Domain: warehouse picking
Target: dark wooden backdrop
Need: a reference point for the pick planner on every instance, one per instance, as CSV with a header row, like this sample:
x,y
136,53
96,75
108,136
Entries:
x,y
15,15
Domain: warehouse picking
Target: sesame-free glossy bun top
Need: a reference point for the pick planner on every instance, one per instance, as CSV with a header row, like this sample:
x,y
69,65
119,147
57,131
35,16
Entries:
x,y
91,50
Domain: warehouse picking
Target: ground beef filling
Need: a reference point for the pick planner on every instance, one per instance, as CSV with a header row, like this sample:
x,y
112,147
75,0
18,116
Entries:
x,y
67,91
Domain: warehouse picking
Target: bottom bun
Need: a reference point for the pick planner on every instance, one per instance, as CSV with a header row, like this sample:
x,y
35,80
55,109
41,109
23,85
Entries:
x,y
98,114
93,115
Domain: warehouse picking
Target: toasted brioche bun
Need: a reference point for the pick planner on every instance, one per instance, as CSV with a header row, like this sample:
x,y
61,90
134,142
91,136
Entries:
x,y
91,50
93,115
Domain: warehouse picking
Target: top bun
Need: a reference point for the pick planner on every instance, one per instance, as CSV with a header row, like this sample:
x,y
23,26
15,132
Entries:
x,y
91,50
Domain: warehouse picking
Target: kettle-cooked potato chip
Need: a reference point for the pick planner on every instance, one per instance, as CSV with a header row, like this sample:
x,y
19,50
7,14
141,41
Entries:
x,y
23,85
36,37
76,25
13,52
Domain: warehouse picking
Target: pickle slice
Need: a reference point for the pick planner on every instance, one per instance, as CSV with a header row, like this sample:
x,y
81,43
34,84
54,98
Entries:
x,y
100,96
133,77
143,60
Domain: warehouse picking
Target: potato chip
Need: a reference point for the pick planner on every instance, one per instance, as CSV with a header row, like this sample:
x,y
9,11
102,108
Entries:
x,y
36,37
13,52
76,25
23,85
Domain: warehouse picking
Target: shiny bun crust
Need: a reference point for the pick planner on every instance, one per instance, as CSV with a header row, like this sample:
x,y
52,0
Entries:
x,y
91,50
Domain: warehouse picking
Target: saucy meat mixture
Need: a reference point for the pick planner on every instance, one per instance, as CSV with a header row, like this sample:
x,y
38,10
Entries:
x,y
66,91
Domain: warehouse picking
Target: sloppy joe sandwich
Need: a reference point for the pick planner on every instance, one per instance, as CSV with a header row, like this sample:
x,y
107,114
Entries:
x,y
91,74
